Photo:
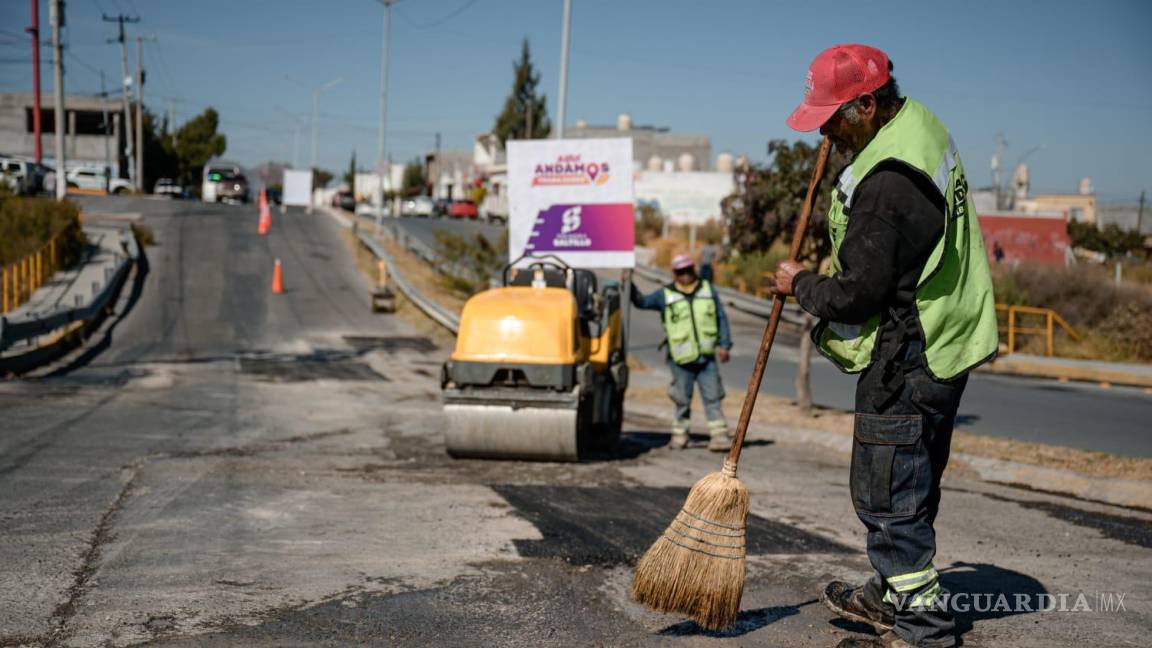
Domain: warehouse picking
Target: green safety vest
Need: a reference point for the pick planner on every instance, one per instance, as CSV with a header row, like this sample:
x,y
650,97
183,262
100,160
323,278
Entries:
x,y
955,307
690,323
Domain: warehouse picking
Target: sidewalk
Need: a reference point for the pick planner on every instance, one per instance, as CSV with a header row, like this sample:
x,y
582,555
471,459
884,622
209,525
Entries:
x,y
71,288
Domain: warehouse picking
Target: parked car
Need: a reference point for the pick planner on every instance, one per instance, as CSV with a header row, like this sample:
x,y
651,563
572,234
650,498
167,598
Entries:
x,y
463,209
168,187
418,206
440,207
96,178
345,200
19,175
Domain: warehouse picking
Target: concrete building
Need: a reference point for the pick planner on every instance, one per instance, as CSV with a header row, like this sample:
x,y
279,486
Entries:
x,y
87,141
653,146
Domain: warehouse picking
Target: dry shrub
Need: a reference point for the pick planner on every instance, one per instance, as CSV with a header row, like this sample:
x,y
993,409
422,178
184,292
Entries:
x,y
1115,321
27,224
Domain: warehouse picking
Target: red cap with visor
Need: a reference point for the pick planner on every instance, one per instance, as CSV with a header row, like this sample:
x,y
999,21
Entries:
x,y
838,75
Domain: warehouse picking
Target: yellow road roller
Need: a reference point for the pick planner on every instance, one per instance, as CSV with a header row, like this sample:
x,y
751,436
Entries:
x,y
539,369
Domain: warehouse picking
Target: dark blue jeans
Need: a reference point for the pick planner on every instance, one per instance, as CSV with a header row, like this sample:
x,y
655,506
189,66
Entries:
x,y
900,447
704,373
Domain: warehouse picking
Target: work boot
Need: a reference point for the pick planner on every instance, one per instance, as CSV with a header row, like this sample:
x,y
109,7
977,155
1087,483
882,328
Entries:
x,y
679,439
720,443
886,640
719,440
850,603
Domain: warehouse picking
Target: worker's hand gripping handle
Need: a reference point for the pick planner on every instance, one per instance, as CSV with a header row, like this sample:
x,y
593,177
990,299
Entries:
x,y
777,310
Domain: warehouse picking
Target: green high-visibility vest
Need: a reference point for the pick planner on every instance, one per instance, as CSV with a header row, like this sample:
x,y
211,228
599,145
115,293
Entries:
x,y
955,307
690,323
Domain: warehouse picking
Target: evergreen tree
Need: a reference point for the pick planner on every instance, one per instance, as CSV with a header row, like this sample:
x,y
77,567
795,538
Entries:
x,y
350,177
525,114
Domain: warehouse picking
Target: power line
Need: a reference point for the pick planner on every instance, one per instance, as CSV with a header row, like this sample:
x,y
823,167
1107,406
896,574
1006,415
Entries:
x,y
439,21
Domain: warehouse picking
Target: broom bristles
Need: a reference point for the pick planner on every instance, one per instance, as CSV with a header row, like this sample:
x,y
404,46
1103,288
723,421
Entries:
x,y
696,567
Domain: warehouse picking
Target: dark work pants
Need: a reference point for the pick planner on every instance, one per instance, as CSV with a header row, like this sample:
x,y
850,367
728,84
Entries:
x,y
902,436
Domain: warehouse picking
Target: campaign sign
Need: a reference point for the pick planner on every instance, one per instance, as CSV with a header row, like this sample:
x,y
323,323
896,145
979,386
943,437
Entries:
x,y
572,199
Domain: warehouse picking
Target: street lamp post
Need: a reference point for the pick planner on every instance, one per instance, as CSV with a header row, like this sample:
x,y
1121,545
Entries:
x,y
380,159
316,92
562,99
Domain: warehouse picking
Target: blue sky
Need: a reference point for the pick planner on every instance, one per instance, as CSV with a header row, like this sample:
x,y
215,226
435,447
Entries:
x,y
1072,77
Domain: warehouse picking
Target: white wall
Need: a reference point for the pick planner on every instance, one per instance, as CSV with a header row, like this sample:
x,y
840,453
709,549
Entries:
x,y
685,197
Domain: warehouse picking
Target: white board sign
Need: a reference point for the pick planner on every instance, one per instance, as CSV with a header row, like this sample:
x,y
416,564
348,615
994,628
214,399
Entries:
x,y
572,199
297,187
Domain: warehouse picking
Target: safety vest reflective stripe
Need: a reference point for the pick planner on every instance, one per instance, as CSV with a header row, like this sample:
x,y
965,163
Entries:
x,y
914,580
925,599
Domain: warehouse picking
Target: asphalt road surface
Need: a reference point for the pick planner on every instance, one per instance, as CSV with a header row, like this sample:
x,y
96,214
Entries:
x,y
1075,415
235,468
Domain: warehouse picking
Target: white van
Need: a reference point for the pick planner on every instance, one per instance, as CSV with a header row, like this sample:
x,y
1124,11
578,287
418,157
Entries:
x,y
215,173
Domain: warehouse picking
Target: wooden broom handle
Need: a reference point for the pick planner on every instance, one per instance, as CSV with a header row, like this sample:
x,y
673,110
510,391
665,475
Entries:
x,y
777,310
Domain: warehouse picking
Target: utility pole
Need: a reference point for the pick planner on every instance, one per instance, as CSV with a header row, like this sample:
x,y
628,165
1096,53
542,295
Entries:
x,y
563,95
439,169
34,29
380,157
57,19
996,160
140,111
127,102
107,133
315,123
1140,215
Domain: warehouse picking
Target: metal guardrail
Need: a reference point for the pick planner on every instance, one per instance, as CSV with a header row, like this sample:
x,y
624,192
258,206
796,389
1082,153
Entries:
x,y
34,325
22,278
438,313
1051,320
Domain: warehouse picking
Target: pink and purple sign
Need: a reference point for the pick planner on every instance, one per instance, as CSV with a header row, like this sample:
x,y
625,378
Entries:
x,y
571,199
583,228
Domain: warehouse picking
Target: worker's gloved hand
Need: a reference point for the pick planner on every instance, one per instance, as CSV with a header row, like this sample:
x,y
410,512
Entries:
x,y
782,280
723,355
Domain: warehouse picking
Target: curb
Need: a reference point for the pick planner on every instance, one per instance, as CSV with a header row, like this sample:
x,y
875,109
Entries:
x,y
1015,366
67,328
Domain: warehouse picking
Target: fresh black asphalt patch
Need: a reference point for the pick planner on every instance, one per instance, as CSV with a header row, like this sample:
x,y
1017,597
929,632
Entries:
x,y
305,368
390,343
615,525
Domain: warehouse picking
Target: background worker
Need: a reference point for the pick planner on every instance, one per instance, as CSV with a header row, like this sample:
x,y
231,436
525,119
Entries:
x,y
909,306
697,335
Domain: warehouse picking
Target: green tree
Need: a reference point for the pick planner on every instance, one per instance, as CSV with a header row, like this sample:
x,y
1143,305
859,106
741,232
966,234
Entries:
x,y
525,114
321,178
765,207
414,181
196,142
1111,239
160,161
769,198
350,177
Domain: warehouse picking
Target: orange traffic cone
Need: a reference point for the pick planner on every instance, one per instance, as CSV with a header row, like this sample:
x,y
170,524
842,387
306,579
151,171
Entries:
x,y
277,279
265,213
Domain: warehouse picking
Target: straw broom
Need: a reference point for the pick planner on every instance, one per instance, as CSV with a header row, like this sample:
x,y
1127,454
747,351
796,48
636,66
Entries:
x,y
697,567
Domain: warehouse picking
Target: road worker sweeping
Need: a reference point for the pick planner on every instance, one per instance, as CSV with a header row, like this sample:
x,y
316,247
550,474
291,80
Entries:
x,y
908,305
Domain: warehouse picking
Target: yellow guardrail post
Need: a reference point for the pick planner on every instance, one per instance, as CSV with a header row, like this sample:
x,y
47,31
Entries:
x,y
1011,329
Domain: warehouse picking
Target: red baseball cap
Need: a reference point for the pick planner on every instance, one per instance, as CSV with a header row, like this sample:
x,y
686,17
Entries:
x,y
838,75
